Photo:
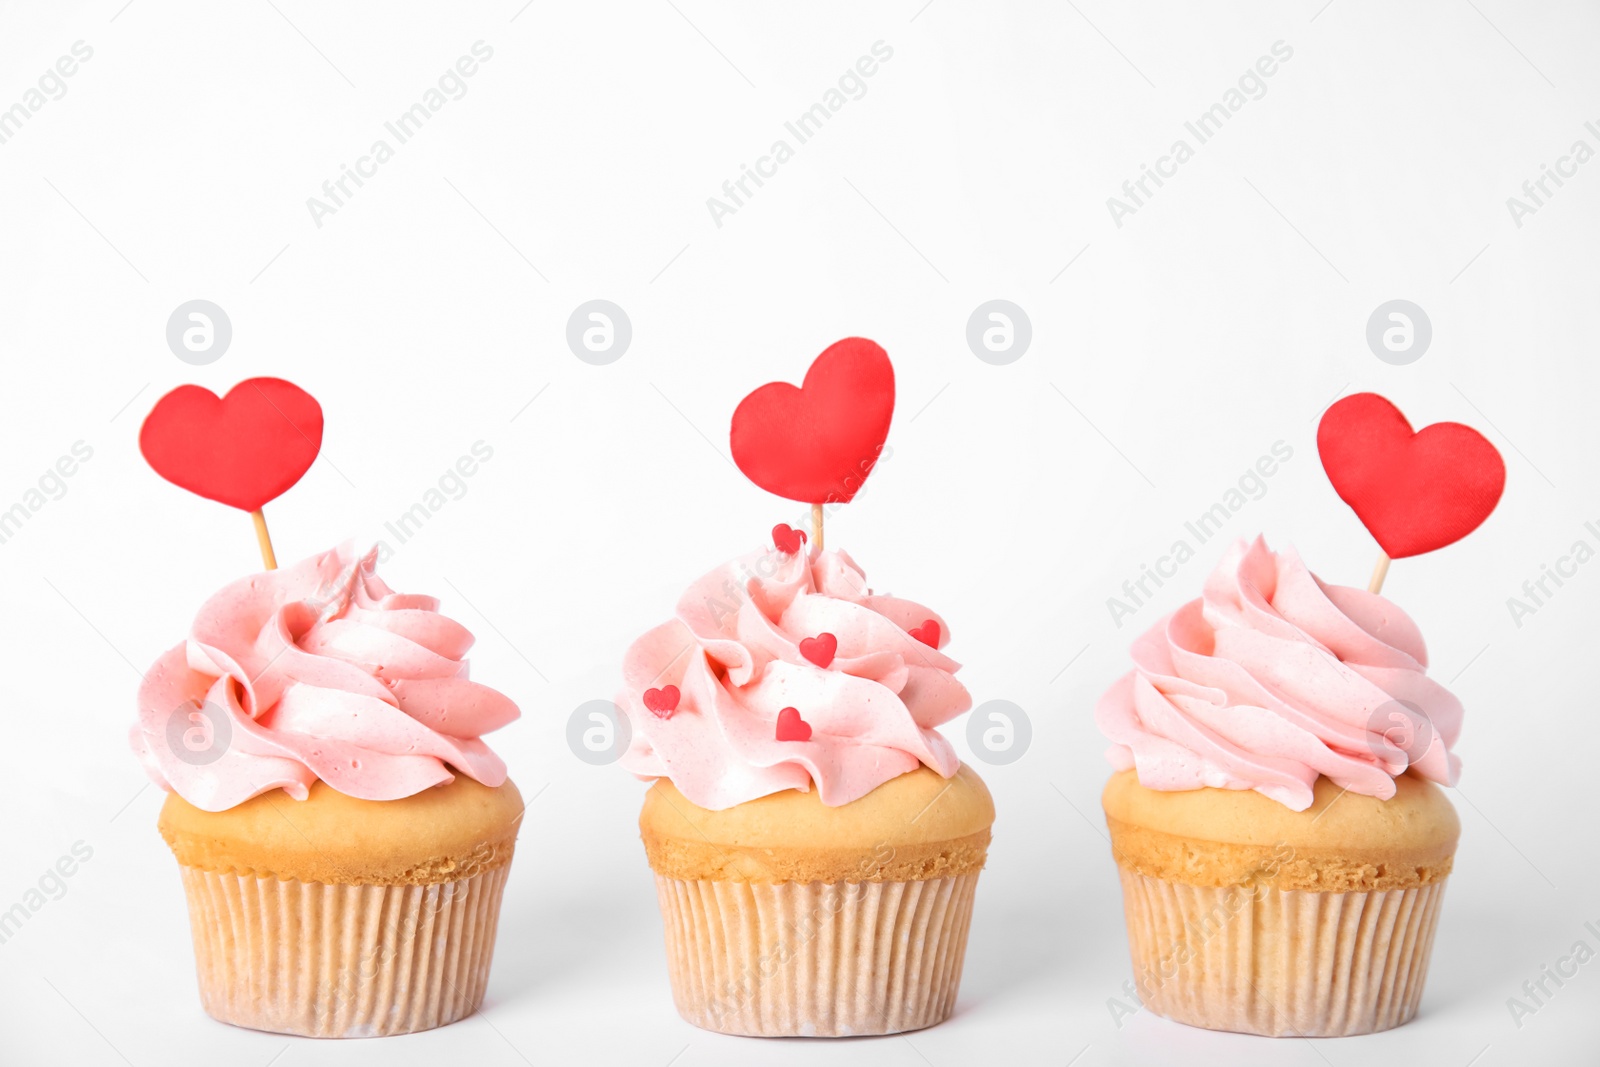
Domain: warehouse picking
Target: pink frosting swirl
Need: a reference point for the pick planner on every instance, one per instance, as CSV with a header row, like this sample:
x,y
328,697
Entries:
x,y
315,671
734,654
1272,678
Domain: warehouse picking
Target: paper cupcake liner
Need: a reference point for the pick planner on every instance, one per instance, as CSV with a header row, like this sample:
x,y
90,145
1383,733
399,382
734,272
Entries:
x,y
1281,963
341,960
831,959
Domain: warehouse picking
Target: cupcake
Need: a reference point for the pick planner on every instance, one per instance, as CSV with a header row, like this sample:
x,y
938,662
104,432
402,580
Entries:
x,y
1275,814
815,840
342,831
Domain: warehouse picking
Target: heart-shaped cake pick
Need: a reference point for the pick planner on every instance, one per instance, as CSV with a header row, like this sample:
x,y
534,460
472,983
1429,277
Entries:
x,y
816,443
243,449
1415,491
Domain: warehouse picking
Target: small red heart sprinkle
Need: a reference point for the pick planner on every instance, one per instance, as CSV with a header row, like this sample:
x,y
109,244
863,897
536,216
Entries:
x,y
662,702
791,727
820,649
927,633
787,538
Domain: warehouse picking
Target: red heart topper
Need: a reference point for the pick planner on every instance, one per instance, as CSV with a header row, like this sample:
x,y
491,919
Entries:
x,y
242,449
1415,491
817,443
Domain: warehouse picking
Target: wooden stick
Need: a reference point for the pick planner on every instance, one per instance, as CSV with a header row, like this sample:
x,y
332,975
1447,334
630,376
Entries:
x,y
265,540
1379,573
816,526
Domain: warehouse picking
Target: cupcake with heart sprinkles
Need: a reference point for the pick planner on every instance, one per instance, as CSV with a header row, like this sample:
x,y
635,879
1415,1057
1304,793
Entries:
x,y
815,840
342,830
1276,813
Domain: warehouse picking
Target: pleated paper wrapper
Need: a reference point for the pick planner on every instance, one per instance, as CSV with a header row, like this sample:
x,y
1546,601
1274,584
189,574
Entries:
x,y
1281,963
322,960
816,959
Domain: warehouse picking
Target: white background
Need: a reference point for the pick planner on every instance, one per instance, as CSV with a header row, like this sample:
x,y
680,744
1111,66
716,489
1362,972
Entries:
x,y
430,310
